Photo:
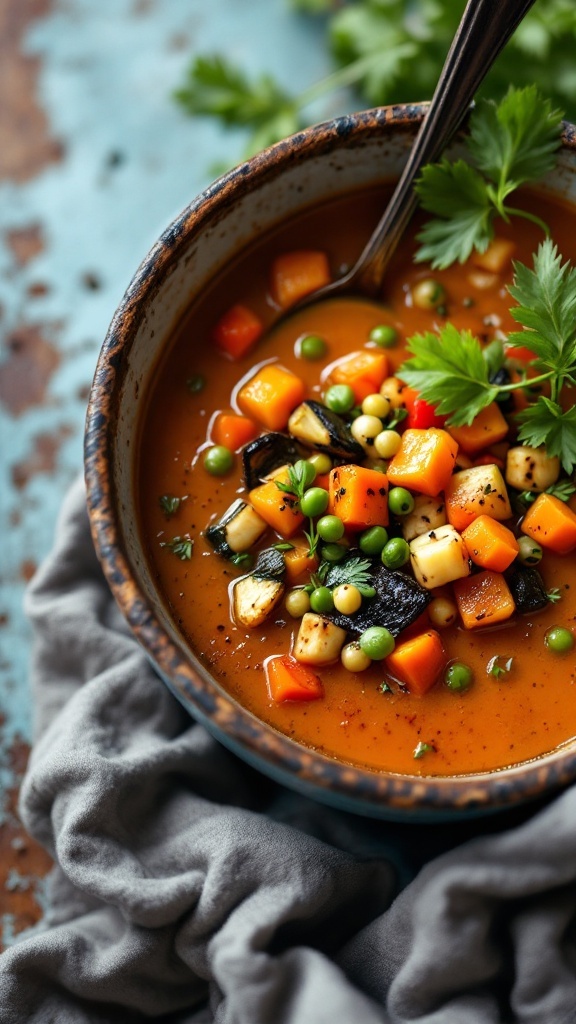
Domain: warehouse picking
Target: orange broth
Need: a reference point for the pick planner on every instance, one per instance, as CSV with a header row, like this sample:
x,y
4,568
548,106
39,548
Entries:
x,y
497,722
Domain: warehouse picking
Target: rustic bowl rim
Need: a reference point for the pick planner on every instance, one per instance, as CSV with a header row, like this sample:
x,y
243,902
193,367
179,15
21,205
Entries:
x,y
359,789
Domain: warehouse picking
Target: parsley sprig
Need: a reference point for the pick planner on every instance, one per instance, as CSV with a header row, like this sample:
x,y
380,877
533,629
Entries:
x,y
450,370
509,144
300,476
180,546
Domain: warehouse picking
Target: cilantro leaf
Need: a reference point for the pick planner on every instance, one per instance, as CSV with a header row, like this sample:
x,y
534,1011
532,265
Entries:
x,y
546,423
449,371
458,195
546,299
516,140
509,143
215,86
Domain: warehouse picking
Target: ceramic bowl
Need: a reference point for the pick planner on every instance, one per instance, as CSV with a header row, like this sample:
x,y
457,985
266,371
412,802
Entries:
x,y
326,160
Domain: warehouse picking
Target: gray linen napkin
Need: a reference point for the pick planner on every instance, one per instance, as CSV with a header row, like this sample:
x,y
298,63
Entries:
x,y
188,888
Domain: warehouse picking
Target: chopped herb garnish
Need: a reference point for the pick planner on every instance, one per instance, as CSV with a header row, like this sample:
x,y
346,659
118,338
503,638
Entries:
x,y
196,383
180,546
397,418
563,490
385,688
510,143
423,748
554,595
283,546
499,666
300,477
449,371
356,572
242,559
169,504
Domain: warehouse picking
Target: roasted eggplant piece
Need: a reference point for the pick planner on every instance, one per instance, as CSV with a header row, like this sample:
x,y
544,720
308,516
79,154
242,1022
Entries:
x,y
255,596
265,454
237,530
398,602
527,589
320,428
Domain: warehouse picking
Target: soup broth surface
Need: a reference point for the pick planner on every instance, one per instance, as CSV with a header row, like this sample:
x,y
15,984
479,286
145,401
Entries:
x,y
498,721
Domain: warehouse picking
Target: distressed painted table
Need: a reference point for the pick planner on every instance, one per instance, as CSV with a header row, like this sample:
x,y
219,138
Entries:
x,y
95,159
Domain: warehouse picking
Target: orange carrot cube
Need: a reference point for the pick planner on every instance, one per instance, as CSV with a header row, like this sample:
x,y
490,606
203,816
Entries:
x,y
276,507
551,523
359,497
364,372
424,461
483,599
271,395
233,431
296,274
288,679
418,661
487,428
237,331
490,544
299,564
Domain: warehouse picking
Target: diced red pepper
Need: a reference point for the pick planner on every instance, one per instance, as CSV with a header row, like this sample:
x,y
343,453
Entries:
x,y
422,415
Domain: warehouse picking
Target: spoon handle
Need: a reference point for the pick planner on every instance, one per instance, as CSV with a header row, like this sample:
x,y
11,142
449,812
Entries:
x,y
484,30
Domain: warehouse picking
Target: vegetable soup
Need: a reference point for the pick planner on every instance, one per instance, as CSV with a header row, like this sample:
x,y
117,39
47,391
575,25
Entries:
x,y
379,584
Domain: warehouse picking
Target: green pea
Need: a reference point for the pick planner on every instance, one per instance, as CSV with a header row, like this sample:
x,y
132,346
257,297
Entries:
x,y
377,642
339,398
529,552
559,639
428,294
312,347
400,501
333,552
218,460
321,600
395,553
372,541
330,528
314,502
384,336
458,677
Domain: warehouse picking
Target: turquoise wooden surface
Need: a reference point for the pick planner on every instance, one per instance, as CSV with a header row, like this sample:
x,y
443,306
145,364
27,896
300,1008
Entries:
x,y
97,159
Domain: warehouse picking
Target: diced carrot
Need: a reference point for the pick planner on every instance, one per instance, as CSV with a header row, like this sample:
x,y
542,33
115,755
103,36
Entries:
x,y
299,564
473,492
271,395
483,599
296,274
490,544
418,661
233,431
551,523
359,497
424,461
364,372
237,331
288,679
276,507
487,428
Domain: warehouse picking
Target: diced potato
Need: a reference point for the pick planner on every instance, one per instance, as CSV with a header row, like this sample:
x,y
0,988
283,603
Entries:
x,y
254,598
244,529
474,492
427,514
319,641
531,469
438,557
497,257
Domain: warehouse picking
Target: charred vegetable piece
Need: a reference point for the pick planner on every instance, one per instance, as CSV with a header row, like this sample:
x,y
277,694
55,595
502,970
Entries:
x,y
237,530
256,595
318,427
267,453
527,589
398,601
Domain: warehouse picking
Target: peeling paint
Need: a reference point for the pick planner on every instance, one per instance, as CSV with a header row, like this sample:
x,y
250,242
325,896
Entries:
x,y
26,145
42,458
25,374
25,243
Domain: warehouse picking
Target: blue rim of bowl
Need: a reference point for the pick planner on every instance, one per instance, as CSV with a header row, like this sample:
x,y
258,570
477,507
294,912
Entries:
x,y
363,790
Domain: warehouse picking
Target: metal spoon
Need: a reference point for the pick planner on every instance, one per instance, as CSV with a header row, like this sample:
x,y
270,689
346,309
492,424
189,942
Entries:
x,y
484,30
